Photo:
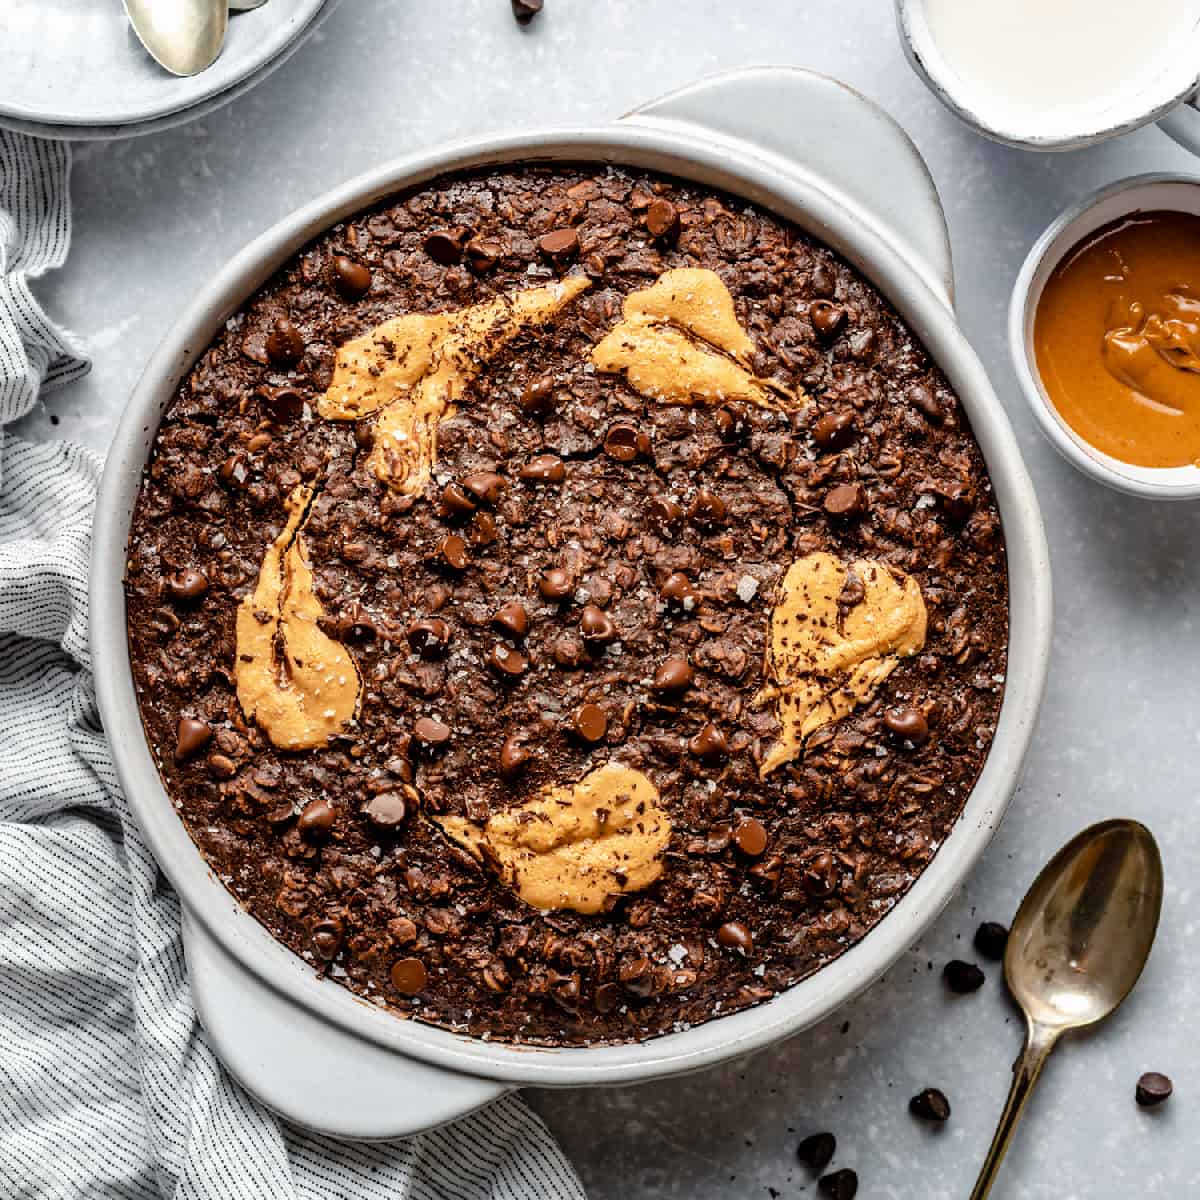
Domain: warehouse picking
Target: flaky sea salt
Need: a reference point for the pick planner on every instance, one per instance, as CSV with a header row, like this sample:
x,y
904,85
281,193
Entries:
x,y
747,588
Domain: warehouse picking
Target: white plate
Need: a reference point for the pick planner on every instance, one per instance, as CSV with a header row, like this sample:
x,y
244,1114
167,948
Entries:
x,y
72,64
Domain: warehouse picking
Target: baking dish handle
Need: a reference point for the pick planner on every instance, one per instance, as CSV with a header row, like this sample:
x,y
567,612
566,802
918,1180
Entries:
x,y
838,140
309,1071
1183,124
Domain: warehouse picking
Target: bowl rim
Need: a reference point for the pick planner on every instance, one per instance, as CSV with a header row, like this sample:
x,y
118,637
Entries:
x,y
673,149
1067,230
926,59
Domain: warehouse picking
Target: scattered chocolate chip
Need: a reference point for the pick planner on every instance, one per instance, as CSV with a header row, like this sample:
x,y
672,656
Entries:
x,y
750,836
556,584
386,810
662,219
430,733
834,430
409,976
596,626
544,468
841,1185
284,345
664,513
526,10
486,486
922,397
316,820
452,550
559,245
445,246
1153,1089
455,502
589,723
820,875
908,724
673,676
991,940
429,637
962,977
930,1105
707,510
186,586
351,279
512,619
731,423
846,500
483,255
678,592
624,443
513,757
827,318
281,405
817,1150
538,397
327,939
504,660
607,997
191,737
733,935
709,744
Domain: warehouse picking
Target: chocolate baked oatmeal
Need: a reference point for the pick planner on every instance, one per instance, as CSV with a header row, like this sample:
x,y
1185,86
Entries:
x,y
567,605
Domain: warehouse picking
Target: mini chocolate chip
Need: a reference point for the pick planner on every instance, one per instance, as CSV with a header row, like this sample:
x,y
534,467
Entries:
x,y
846,500
191,737
512,619
841,1185
1153,1089
624,443
820,875
186,586
538,397
709,744
445,246
482,254
674,675
662,219
589,723
544,468
596,626
991,940
677,591
733,935
834,430
922,397
486,486
707,509
526,10
730,422
607,997
327,938
452,550
556,584
750,836
429,637
284,345
430,733
281,404
351,279
513,757
409,976
316,820
455,502
962,977
817,1150
930,1105
559,245
506,661
386,810
664,512
908,724
827,318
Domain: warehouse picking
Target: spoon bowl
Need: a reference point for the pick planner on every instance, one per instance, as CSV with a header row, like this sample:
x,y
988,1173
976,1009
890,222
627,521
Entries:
x,y
182,36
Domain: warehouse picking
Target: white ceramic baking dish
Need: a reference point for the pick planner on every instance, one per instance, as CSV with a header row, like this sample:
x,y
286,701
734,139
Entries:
x,y
819,155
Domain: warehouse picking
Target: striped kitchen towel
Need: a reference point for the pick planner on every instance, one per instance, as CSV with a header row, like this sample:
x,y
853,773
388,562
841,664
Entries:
x,y
108,1087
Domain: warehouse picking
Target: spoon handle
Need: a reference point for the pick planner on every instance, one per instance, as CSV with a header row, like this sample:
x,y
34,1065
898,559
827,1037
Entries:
x,y
1039,1041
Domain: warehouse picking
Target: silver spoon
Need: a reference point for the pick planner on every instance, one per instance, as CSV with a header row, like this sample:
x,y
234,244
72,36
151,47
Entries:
x,y
182,36
1077,946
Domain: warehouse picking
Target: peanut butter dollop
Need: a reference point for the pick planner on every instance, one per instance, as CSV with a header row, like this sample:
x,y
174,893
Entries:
x,y
413,370
826,656
574,846
298,684
679,341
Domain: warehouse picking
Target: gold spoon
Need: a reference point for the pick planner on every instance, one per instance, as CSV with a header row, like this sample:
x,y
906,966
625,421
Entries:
x,y
182,36
1077,946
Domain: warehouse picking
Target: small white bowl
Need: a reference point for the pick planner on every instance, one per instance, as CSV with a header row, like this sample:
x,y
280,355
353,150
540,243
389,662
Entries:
x,y
1143,193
